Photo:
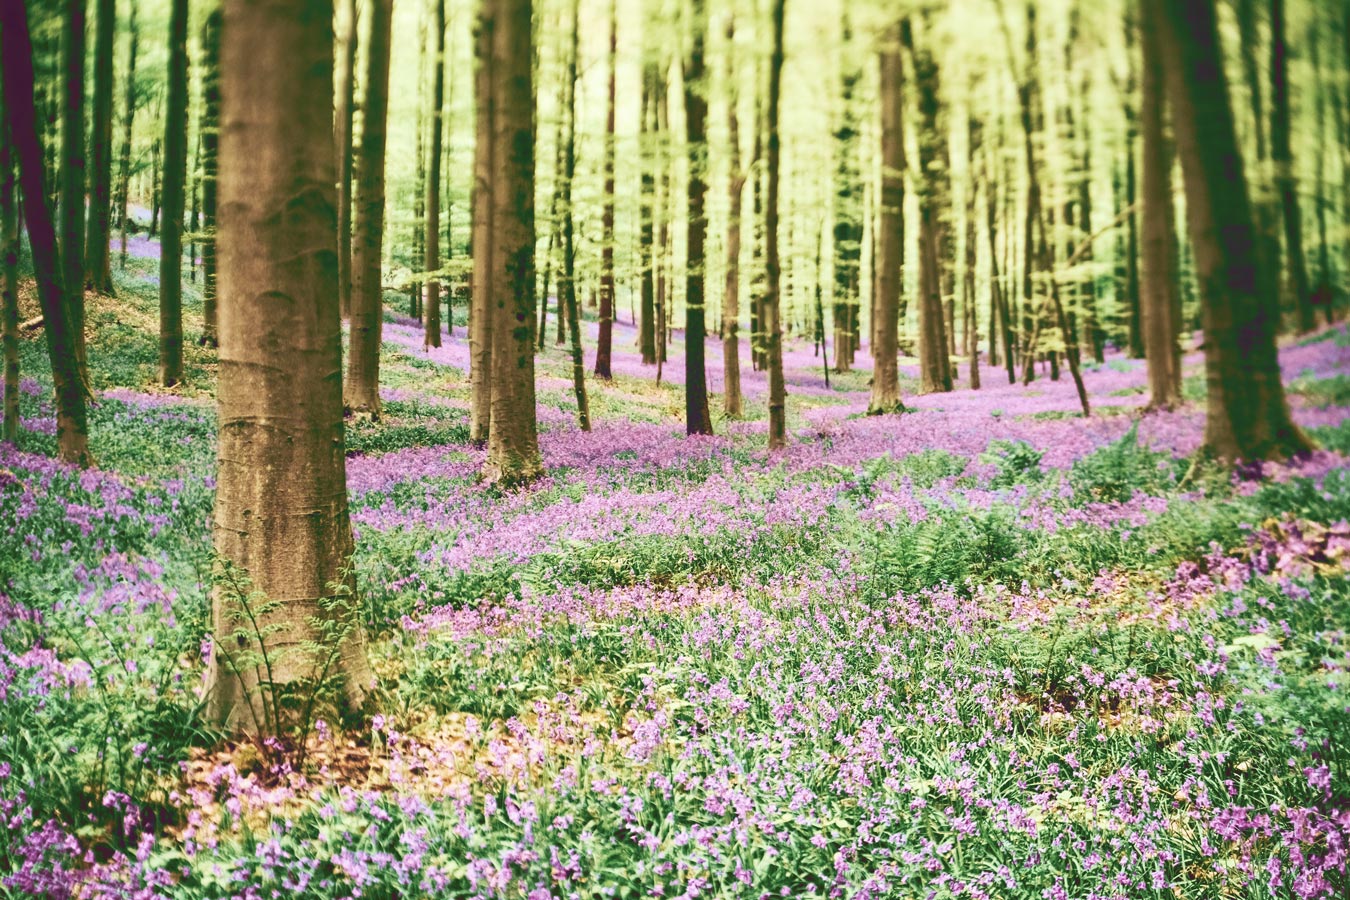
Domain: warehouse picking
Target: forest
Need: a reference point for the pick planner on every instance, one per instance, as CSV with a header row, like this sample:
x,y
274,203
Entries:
x,y
580,449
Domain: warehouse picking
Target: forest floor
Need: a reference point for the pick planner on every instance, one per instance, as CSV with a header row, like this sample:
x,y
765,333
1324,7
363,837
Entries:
x,y
982,649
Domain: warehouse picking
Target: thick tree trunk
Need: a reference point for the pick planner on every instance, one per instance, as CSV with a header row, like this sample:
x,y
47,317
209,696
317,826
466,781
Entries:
x,y
361,394
281,519
97,266
513,442
567,279
171,214
432,306
210,165
697,419
1161,301
605,341
16,58
890,235
342,132
128,120
73,177
1286,181
777,390
9,278
480,302
731,294
1247,416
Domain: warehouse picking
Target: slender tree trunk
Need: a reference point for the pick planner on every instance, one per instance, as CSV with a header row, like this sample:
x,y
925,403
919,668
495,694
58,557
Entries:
x,y
777,390
697,419
1135,333
647,309
16,61
890,235
974,141
604,344
1283,157
210,165
128,120
1323,292
567,281
848,216
1161,302
481,301
342,131
432,309
419,211
97,266
731,294
1247,414
361,394
998,295
665,204
281,518
171,223
9,275
73,177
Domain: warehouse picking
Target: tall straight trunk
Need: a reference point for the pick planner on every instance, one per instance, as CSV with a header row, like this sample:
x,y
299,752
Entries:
x,y
647,309
1265,204
666,202
1286,181
281,517
934,368
1247,415
432,307
1028,93
1161,301
998,296
361,393
171,213
758,342
605,341
72,176
128,121
1135,321
567,279
513,441
342,132
777,390
16,66
9,278
419,210
697,419
974,141
731,294
554,244
194,178
1323,291
97,265
210,165
156,157
890,234
480,303
848,216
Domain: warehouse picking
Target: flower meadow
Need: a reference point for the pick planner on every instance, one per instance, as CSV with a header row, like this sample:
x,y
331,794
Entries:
x,y
983,649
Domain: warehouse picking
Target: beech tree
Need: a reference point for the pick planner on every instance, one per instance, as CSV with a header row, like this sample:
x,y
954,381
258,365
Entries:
x,y
697,418
432,311
773,327
731,306
97,262
72,174
9,277
890,238
130,97
1247,415
605,340
361,393
281,519
342,134
171,212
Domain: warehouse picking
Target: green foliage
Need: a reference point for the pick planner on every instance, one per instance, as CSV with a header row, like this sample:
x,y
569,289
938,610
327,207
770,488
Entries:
x,y
1017,462
1115,472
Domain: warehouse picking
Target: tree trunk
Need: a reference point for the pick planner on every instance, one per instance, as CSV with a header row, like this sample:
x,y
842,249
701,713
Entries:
x,y
513,442
974,141
1247,416
890,235
73,177
567,280
97,266
16,59
419,210
731,294
128,120
281,519
210,165
1160,299
9,278
432,306
697,419
480,303
647,309
1286,181
998,299
848,216
605,341
777,391
171,213
361,394
342,131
